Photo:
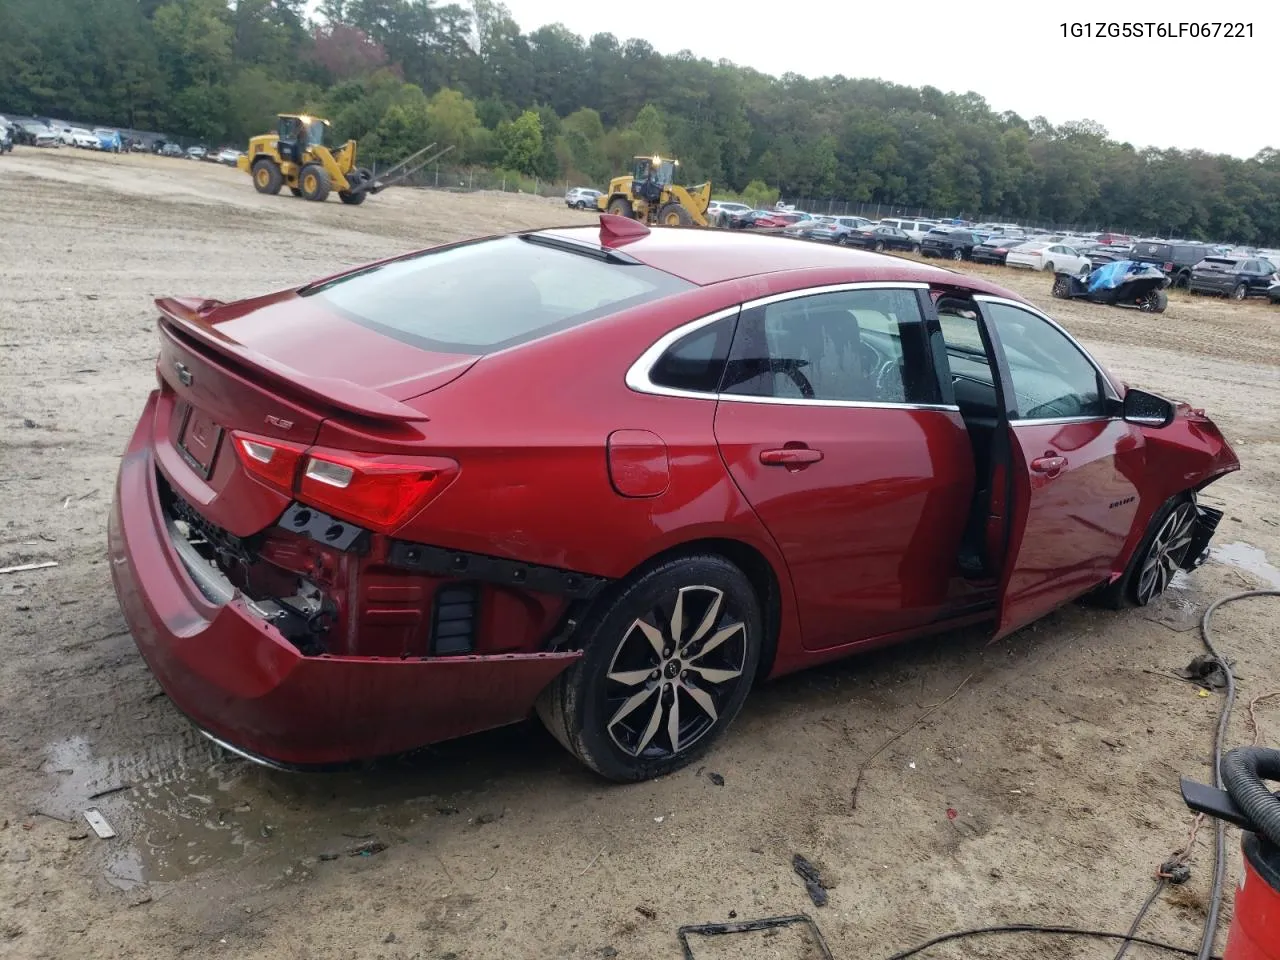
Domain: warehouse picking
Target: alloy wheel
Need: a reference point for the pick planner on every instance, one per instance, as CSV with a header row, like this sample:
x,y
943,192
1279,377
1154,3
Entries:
x,y
1166,553
673,673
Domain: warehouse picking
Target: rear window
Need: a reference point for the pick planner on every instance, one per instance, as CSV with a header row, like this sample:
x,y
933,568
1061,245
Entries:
x,y
488,295
1218,263
1151,250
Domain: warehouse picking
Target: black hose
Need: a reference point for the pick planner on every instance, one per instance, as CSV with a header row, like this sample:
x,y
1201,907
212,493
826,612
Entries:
x,y
1220,833
1244,770
1032,928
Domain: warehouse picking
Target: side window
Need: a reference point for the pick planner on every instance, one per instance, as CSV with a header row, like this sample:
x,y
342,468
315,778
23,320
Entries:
x,y
696,361
1051,377
855,345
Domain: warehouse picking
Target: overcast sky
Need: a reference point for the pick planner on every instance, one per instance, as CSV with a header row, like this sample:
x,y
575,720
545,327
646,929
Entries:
x,y
1150,92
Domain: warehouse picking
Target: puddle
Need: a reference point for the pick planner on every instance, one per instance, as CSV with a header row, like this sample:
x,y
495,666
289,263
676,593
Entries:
x,y
187,806
1247,558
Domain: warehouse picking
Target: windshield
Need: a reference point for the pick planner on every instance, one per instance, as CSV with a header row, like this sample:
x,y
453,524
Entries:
x,y
315,133
447,299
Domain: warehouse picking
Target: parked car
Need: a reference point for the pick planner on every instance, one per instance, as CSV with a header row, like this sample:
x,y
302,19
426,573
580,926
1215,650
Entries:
x,y
1273,292
582,198
1042,255
310,535
36,134
172,150
1234,277
995,249
915,229
1175,259
836,229
196,153
881,237
720,211
6,137
108,140
84,139
947,242
759,220
802,226
1104,254
230,156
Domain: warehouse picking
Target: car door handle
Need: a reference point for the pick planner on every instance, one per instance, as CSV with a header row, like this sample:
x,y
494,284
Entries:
x,y
1049,465
791,457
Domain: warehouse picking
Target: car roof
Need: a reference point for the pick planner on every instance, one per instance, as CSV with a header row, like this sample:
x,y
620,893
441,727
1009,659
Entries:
x,y
714,256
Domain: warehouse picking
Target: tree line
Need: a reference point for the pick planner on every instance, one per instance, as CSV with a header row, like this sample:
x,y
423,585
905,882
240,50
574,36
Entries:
x,y
398,74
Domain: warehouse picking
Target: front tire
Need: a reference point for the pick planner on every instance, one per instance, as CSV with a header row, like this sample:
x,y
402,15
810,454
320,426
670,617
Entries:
x,y
957,254
879,246
675,215
1239,292
1160,554
314,182
1062,286
669,659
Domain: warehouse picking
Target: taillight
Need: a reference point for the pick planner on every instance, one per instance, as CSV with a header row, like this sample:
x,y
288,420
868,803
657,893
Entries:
x,y
274,462
379,491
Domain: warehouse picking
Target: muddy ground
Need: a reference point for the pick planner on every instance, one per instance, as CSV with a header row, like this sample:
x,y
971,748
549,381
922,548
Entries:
x,y
1059,757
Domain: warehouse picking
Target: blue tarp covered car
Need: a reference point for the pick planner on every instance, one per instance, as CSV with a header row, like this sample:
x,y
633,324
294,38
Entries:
x,y
108,139
1109,276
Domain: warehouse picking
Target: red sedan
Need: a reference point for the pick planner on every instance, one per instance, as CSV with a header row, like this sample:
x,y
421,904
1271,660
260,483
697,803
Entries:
x,y
615,476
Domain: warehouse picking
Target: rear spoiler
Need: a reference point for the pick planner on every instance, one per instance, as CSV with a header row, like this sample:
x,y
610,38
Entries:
x,y
190,316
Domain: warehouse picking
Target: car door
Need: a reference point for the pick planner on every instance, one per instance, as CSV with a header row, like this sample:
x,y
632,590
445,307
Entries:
x,y
831,425
1076,465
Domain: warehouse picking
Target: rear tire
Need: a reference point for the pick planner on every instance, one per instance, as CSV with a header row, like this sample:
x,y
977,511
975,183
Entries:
x,y
1154,302
266,176
1239,292
314,183
915,248
1159,555
621,207
957,254
633,707
879,246
1049,267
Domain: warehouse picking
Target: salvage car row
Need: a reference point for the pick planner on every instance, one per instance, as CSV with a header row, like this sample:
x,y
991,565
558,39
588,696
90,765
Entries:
x,y
1196,267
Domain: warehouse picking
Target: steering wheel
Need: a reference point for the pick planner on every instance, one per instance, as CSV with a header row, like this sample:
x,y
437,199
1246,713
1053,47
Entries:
x,y
889,384
802,382
1058,407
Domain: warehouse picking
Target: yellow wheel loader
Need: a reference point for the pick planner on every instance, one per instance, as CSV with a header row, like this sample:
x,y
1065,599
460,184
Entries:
x,y
296,156
650,194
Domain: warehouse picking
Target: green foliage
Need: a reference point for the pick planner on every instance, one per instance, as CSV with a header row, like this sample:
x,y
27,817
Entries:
x,y
398,74
521,142
758,194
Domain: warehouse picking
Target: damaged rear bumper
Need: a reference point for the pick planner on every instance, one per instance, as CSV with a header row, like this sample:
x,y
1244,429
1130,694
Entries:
x,y
247,687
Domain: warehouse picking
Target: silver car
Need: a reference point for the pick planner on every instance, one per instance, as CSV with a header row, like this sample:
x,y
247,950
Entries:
x,y
582,198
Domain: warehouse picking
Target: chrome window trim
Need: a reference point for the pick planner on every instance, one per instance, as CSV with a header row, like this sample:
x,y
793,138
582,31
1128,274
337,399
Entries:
x,y
637,377
1112,394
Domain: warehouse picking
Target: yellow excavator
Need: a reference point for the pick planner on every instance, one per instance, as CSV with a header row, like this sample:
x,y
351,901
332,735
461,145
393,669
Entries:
x,y
650,194
297,156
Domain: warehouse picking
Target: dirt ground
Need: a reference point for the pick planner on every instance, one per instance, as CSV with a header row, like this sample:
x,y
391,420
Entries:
x,y
1046,790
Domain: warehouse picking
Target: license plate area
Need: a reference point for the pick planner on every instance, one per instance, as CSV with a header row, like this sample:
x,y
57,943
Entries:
x,y
198,441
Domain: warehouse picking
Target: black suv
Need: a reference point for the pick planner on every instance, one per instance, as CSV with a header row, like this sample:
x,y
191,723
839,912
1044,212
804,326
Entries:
x,y
952,244
1175,259
1234,277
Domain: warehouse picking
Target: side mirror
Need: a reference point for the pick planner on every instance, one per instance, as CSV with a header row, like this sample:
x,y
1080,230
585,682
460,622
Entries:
x,y
1147,409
